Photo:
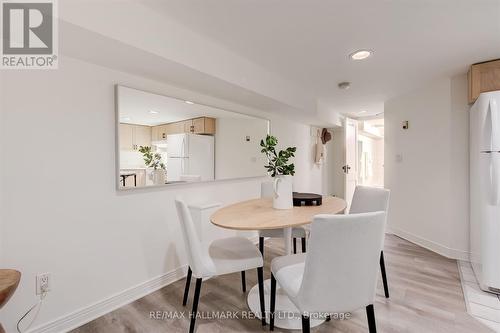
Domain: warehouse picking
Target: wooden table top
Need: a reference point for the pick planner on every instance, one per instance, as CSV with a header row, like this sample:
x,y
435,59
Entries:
x,y
9,279
258,214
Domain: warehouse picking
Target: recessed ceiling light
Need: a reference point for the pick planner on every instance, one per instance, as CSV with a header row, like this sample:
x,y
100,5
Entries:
x,y
188,102
360,112
153,112
360,54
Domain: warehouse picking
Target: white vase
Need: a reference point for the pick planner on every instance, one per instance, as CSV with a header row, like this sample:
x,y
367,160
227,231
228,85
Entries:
x,y
158,177
282,198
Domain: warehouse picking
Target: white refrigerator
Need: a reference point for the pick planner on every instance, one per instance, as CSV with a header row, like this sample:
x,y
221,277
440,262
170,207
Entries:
x,y
190,157
484,148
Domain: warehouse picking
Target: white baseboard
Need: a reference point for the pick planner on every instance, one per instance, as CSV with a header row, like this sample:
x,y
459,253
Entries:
x,y
433,246
91,312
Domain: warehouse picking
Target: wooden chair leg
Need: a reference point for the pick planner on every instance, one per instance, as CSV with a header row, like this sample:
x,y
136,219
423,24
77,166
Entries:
x,y
273,302
294,245
186,288
303,245
306,324
370,314
243,282
384,276
194,312
260,277
261,245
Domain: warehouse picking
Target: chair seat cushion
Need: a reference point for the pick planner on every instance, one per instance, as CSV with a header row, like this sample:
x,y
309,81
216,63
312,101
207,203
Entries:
x,y
288,271
297,232
234,254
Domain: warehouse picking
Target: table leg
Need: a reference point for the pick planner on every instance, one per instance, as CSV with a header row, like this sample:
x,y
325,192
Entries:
x,y
287,238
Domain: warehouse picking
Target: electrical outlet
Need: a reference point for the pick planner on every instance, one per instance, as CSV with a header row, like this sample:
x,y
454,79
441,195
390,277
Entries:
x,y
42,283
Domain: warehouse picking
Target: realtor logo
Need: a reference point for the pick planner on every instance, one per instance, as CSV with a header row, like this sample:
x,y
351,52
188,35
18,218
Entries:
x,y
29,35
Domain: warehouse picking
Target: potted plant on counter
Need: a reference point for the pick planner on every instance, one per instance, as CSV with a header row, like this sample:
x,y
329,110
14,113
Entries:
x,y
281,170
153,160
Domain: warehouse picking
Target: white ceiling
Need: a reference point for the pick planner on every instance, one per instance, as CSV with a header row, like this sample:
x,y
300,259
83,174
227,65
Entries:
x,y
134,107
308,42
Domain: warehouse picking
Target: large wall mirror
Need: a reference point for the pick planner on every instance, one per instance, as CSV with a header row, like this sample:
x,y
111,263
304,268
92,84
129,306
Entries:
x,y
164,140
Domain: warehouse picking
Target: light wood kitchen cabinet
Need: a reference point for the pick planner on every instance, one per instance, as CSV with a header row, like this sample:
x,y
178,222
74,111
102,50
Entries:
x,y
142,136
202,125
134,136
126,137
483,77
159,132
175,128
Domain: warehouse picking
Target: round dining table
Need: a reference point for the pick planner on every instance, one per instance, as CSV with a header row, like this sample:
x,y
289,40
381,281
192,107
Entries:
x,y
259,214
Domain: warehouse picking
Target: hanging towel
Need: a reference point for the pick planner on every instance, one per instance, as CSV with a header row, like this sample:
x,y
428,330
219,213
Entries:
x,y
320,151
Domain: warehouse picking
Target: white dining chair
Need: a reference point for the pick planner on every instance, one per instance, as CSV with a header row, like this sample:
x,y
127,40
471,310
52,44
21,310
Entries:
x,y
222,256
338,274
372,199
267,191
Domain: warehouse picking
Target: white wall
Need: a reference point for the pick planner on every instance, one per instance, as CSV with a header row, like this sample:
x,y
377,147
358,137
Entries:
x,y
429,187
234,156
60,212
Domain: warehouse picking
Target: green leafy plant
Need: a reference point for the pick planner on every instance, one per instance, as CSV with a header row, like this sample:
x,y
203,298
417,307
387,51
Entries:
x,y
152,160
278,161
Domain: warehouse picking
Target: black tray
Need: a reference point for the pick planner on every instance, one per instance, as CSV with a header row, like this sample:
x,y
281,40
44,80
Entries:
x,y
307,199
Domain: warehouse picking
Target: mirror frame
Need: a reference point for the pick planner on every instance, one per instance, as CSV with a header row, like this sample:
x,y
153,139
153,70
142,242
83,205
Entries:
x,y
117,143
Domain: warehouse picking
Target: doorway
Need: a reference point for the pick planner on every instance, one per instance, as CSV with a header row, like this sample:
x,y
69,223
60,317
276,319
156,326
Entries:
x,y
356,156
370,152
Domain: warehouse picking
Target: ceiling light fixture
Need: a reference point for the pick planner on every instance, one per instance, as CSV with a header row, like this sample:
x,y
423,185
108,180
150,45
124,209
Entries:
x,y
153,112
360,54
188,102
360,112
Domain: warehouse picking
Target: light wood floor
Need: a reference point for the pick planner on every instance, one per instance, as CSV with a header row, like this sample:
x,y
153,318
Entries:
x,y
426,296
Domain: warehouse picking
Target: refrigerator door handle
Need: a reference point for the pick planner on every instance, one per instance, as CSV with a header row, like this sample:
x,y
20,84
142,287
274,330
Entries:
x,y
495,136
495,177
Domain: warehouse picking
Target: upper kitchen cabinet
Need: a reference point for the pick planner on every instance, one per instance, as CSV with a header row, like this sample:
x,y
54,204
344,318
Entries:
x,y
483,77
159,132
134,136
175,128
202,125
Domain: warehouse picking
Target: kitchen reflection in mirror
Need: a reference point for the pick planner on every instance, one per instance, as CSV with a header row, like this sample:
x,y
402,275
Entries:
x,y
164,140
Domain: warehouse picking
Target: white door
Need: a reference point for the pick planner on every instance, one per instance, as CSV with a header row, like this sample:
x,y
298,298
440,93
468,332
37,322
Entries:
x,y
350,167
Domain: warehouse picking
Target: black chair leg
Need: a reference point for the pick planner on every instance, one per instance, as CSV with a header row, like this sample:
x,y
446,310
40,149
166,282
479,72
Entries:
x,y
370,314
303,245
186,289
243,282
260,278
328,318
294,245
306,324
384,276
261,245
194,312
273,302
